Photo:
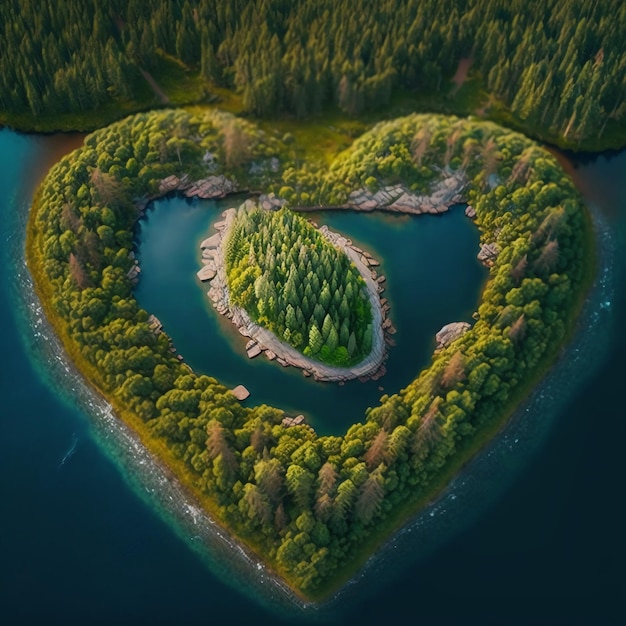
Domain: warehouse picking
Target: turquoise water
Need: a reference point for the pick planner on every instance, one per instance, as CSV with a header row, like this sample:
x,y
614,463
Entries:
x,y
433,278
531,533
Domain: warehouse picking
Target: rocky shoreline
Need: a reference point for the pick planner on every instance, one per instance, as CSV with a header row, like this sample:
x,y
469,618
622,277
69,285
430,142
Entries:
x,y
261,340
446,192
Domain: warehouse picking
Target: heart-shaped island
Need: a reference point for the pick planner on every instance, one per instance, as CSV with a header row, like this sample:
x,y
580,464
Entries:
x,y
312,507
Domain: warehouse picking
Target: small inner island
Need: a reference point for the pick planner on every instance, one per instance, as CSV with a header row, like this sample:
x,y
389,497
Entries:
x,y
305,296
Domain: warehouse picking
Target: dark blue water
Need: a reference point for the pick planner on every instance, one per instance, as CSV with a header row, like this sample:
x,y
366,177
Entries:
x,y
426,288
78,546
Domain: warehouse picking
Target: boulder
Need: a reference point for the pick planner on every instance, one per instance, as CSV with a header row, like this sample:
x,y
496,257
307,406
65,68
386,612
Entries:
x,y
470,212
211,242
240,392
211,187
292,421
207,273
253,351
451,332
488,253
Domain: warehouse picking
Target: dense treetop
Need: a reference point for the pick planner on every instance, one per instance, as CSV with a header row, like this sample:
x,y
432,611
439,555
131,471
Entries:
x,y
308,503
296,283
559,68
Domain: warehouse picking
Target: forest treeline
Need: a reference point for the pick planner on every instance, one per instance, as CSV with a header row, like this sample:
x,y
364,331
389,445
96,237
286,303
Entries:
x,y
308,503
558,65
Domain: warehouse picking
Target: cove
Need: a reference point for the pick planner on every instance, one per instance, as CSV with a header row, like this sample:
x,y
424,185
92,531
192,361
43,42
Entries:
x,y
433,277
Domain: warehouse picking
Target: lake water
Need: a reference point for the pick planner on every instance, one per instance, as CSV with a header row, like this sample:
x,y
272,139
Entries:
x,y
532,533
433,277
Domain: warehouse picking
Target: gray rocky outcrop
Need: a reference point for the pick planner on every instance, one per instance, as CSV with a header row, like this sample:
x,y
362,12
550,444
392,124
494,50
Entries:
x,y
207,188
292,421
451,332
488,254
443,194
207,273
470,212
240,392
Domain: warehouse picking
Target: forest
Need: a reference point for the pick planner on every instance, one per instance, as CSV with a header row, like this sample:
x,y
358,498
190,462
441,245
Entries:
x,y
104,58
309,505
294,282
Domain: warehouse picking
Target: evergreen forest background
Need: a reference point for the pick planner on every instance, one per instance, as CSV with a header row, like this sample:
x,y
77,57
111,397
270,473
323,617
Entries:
x,y
531,66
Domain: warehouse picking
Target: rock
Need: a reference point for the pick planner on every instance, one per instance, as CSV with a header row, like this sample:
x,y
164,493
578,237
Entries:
x,y
211,187
171,183
155,324
451,332
206,273
292,421
493,180
488,253
211,242
270,202
240,392
270,355
470,212
254,351
306,373
282,362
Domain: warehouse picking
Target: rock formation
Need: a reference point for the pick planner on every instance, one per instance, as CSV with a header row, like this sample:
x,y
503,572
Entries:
x,y
451,332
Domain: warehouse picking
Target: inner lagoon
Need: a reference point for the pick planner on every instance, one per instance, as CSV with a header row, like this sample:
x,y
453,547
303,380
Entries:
x,y
433,278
